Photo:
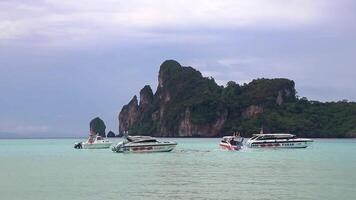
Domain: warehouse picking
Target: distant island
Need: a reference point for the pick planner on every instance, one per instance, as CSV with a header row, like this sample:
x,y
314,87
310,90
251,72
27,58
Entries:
x,y
186,104
97,127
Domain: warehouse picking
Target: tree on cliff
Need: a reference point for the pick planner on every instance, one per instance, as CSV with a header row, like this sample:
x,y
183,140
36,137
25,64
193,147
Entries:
x,y
97,126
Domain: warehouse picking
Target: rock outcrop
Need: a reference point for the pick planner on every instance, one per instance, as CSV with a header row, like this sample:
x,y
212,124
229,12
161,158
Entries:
x,y
188,129
252,111
111,134
97,126
186,104
146,98
129,115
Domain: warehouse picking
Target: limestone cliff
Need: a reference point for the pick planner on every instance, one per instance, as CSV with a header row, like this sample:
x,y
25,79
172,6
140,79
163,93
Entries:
x,y
129,115
146,98
186,104
189,129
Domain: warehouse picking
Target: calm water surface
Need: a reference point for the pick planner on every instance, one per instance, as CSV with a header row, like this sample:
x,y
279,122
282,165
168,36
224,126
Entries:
x,y
52,169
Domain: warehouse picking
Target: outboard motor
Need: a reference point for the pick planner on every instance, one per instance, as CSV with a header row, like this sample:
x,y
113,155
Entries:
x,y
78,145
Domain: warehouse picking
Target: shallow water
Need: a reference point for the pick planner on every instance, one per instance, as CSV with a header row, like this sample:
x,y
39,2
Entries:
x,y
36,169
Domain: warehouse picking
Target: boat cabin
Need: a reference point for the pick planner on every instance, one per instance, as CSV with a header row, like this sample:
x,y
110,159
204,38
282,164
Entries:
x,y
141,139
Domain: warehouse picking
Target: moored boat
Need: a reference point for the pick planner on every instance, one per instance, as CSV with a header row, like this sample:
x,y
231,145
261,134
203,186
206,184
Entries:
x,y
142,144
277,140
94,142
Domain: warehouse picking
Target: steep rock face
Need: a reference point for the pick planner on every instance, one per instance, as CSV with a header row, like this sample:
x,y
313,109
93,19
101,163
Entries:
x,y
129,115
146,98
97,126
167,69
189,129
252,111
285,94
279,99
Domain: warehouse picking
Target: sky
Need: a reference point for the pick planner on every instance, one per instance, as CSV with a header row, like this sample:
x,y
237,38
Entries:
x,y
65,62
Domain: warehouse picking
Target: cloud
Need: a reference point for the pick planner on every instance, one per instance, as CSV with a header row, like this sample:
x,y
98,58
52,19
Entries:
x,y
80,59
22,128
67,22
243,69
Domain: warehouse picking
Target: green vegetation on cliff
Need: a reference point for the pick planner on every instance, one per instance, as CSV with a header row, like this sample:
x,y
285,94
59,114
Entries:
x,y
188,104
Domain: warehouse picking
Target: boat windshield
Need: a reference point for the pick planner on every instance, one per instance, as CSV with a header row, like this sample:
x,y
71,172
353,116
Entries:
x,y
266,137
275,137
141,139
254,137
144,141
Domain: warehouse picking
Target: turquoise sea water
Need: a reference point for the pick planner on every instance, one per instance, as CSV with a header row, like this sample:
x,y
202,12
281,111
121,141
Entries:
x,y
36,169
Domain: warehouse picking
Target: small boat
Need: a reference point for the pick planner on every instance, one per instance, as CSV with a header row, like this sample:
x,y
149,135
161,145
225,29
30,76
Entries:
x,y
142,144
277,140
231,143
94,142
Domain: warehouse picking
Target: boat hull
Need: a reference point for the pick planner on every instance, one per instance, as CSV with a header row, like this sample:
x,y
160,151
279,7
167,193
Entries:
x,y
281,144
145,148
105,145
229,147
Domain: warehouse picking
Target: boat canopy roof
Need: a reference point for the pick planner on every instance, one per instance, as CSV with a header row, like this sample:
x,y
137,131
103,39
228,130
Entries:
x,y
139,139
273,136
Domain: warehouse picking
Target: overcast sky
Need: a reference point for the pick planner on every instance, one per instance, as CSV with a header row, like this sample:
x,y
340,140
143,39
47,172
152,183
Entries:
x,y
63,63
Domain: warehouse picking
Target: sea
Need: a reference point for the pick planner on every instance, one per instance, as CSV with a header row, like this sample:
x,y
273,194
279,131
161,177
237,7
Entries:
x,y
51,169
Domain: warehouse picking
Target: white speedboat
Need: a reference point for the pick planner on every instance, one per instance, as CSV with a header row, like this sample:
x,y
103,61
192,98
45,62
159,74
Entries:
x,y
142,144
94,142
231,143
277,140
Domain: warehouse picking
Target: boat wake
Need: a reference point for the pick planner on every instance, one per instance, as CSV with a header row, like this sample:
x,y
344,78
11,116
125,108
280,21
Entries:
x,y
191,151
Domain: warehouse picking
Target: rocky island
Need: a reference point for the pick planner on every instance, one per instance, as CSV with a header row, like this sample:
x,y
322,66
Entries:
x,y
186,104
97,126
